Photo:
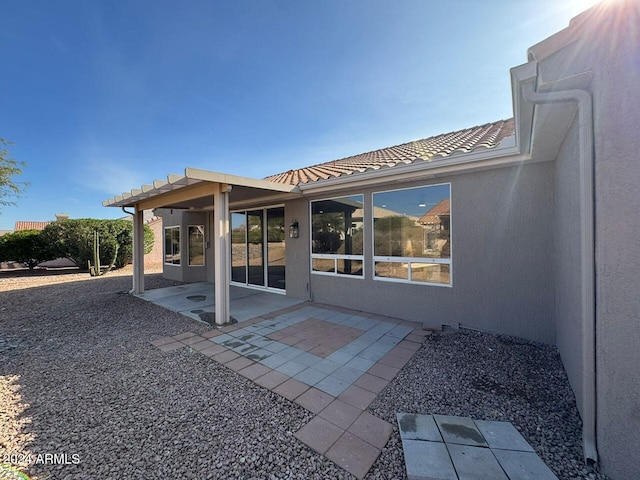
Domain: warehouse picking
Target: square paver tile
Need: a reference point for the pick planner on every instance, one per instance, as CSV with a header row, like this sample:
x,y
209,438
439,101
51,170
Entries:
x,y
383,371
319,434
347,374
403,353
475,463
170,347
327,366
371,383
414,338
222,338
291,389
393,360
193,340
271,380
409,345
358,397
291,368
202,345
225,356
332,385
213,349
259,354
314,400
503,435
254,371
353,454
211,334
340,357
238,364
460,430
371,429
523,465
274,360
418,427
360,364
340,414
310,376
427,461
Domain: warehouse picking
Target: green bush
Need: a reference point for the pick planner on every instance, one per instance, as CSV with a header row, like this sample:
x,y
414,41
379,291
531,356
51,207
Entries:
x,y
26,247
73,239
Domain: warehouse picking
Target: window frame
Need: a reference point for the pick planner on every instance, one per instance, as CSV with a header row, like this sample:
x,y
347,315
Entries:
x,y
337,256
179,259
204,246
409,260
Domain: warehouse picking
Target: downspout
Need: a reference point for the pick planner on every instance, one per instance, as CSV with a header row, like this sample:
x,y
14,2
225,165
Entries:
x,y
587,252
125,211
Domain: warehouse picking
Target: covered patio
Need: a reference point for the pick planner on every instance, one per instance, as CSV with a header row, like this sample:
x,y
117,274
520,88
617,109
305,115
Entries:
x,y
196,300
204,191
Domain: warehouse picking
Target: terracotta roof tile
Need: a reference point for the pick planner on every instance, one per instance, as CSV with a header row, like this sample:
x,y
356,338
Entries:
x,y
22,225
442,208
432,148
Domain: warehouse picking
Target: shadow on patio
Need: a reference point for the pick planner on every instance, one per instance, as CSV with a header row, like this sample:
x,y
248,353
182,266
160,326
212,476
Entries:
x,y
196,300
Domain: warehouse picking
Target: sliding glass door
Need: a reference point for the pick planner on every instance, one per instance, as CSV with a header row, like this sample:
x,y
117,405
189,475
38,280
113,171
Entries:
x,y
258,247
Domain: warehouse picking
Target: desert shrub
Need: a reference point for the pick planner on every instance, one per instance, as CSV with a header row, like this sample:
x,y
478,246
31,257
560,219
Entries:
x,y
27,247
74,239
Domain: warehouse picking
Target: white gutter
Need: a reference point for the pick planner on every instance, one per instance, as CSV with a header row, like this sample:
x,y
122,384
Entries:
x,y
587,251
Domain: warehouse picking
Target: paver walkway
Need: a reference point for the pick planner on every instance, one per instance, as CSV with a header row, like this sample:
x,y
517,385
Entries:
x,y
331,361
443,447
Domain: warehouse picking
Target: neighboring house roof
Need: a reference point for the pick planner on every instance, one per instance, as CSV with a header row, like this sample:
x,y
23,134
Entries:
x,y
463,141
433,216
22,225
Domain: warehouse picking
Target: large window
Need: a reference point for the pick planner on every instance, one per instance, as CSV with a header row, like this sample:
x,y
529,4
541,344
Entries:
x,y
196,245
412,235
172,245
337,236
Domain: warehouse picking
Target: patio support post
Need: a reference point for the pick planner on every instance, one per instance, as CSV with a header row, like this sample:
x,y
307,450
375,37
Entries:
x,y
138,250
221,251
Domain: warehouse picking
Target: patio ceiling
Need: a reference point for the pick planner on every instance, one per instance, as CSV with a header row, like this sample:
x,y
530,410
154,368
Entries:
x,y
193,190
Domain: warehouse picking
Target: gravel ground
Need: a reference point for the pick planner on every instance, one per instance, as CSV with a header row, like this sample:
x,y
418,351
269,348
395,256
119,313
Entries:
x,y
79,377
489,377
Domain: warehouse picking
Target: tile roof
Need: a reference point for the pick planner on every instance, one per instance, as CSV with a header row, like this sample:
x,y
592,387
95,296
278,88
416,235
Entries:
x,y
445,145
433,216
22,225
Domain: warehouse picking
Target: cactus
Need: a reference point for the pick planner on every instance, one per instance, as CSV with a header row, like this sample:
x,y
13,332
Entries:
x,y
96,269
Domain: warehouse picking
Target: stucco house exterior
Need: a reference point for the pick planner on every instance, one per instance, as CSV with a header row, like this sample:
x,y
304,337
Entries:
x,y
527,226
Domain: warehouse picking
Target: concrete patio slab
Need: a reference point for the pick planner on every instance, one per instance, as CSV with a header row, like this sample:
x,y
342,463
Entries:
x,y
475,463
523,465
418,427
503,435
427,461
432,441
460,430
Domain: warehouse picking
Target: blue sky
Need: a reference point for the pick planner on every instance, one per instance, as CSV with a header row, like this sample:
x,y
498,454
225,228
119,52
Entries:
x,y
100,96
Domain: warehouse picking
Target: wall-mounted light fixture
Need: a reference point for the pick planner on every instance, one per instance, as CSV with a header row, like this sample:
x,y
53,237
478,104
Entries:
x,y
294,229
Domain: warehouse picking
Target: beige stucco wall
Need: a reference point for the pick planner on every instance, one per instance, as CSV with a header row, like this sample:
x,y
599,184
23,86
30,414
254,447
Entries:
x,y
502,259
610,49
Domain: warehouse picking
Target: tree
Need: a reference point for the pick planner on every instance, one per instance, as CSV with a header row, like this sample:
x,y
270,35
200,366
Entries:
x,y
74,239
9,168
26,247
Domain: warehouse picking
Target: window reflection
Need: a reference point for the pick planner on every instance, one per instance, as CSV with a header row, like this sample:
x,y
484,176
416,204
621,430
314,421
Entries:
x,y
337,235
412,234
